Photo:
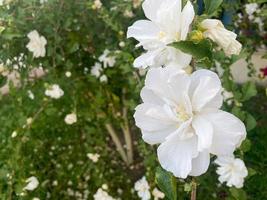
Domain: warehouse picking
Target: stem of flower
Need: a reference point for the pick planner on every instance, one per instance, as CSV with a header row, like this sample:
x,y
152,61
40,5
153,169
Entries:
x,y
194,189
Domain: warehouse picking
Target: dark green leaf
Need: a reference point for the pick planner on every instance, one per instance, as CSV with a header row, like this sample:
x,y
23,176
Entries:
x,y
199,50
212,5
249,90
238,194
167,183
251,123
246,145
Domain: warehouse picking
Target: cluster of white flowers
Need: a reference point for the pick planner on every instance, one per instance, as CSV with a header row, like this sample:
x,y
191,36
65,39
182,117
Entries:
x,y
54,91
93,157
107,61
142,188
231,170
32,183
71,118
102,195
181,111
97,4
37,44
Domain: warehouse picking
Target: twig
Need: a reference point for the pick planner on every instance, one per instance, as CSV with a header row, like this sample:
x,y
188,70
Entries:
x,y
116,141
194,190
126,131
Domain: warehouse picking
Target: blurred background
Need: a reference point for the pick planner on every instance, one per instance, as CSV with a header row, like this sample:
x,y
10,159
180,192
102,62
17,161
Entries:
x,y
66,111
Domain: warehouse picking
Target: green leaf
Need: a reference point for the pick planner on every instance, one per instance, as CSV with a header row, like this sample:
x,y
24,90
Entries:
x,y
251,172
251,122
249,90
200,50
246,145
238,194
167,183
212,5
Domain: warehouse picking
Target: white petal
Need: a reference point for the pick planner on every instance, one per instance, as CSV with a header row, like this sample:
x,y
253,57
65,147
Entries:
x,y
151,8
203,129
228,132
200,164
176,56
205,90
188,15
155,122
146,32
176,155
148,96
147,59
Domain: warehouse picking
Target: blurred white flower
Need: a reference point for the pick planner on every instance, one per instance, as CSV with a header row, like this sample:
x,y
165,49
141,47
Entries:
x,y
96,70
181,113
215,30
29,121
231,170
14,134
142,188
103,79
93,156
43,1
97,4
37,44
228,97
136,3
128,13
102,195
30,94
104,186
158,194
68,74
122,44
108,61
32,183
71,118
167,23
35,198
251,8
54,91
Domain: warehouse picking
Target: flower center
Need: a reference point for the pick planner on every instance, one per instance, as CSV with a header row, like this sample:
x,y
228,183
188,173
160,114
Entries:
x,y
182,114
162,35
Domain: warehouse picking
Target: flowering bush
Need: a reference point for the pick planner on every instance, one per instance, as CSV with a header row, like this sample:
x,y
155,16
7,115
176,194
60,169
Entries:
x,y
72,73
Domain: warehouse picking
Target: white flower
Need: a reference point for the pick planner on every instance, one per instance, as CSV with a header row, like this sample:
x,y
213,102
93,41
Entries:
x,y
14,134
35,198
142,188
231,170
30,94
215,30
121,44
68,74
128,13
251,8
43,1
37,44
181,113
104,186
167,23
32,183
103,79
157,194
228,96
97,4
96,70
102,195
108,61
93,156
54,92
70,118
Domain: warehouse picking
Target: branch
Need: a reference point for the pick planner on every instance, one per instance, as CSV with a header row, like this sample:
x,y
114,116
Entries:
x,y
116,141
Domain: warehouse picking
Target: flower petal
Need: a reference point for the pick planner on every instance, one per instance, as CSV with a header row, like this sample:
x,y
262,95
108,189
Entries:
x,y
176,155
229,132
200,164
187,17
151,8
204,131
205,90
146,32
155,122
147,59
